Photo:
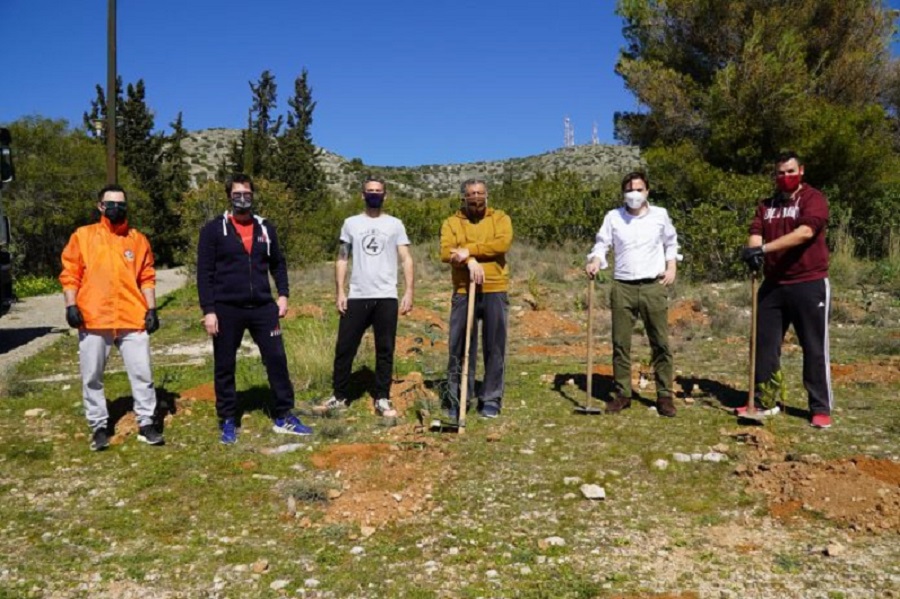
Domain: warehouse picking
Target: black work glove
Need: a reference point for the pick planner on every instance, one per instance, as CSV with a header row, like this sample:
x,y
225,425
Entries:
x,y
753,258
74,317
151,321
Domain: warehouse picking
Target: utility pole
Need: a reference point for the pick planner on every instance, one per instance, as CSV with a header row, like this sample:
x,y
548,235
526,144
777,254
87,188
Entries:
x,y
112,170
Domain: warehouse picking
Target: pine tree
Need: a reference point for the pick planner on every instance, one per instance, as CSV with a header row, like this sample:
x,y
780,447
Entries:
x,y
296,164
254,153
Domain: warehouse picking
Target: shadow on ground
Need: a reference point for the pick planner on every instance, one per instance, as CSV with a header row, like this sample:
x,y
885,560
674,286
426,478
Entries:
x,y
11,339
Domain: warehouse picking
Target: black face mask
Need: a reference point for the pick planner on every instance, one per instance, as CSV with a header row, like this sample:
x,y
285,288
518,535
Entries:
x,y
374,200
115,212
242,206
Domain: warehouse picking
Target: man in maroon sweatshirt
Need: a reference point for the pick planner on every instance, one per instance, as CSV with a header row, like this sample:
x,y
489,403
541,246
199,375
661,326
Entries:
x,y
787,241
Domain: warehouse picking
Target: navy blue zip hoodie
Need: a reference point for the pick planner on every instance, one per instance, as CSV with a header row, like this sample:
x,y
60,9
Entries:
x,y
227,274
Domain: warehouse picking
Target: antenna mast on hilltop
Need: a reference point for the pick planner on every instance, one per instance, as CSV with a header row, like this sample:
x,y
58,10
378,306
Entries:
x,y
595,139
568,133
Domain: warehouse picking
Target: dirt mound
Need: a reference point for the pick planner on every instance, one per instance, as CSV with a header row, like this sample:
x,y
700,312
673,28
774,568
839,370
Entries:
x,y
876,372
411,345
204,392
576,350
544,323
687,312
429,317
405,392
862,493
382,482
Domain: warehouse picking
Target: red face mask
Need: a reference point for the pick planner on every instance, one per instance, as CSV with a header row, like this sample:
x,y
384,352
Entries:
x,y
788,183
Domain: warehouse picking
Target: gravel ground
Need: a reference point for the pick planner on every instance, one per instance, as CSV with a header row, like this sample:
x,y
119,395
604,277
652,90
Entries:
x,y
36,322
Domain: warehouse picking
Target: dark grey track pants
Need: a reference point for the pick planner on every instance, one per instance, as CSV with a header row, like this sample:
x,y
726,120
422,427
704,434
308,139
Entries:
x,y
492,311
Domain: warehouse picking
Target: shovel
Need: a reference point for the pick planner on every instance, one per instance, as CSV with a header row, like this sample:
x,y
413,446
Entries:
x,y
460,425
751,415
587,408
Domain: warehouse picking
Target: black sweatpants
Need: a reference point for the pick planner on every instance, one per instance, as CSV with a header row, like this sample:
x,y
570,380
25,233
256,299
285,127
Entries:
x,y
492,309
262,322
806,306
381,315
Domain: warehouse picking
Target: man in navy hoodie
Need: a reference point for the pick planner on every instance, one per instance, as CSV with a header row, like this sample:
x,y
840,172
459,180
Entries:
x,y
235,255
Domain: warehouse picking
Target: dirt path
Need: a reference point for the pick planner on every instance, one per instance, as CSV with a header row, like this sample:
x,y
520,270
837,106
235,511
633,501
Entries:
x,y
36,322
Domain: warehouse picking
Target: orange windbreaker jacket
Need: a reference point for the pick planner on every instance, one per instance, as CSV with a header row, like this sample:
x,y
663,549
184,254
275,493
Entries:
x,y
108,268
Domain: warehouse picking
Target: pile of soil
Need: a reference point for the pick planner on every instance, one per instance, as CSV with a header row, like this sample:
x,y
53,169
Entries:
x,y
543,324
405,392
382,482
861,492
429,317
881,371
204,392
574,350
687,312
411,345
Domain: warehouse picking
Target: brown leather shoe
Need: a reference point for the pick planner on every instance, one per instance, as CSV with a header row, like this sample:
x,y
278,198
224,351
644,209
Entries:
x,y
665,406
619,403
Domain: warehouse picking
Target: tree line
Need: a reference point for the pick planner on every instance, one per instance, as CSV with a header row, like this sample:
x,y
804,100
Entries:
x,y
722,87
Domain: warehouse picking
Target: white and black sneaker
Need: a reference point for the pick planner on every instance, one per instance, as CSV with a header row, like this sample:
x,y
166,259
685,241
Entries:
x,y
149,435
385,408
99,440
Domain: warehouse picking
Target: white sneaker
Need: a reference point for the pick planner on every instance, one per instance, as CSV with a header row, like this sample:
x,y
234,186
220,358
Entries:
x,y
332,404
742,411
384,408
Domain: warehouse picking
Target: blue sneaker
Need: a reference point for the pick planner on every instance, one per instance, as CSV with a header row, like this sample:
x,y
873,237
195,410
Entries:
x,y
291,425
490,409
229,431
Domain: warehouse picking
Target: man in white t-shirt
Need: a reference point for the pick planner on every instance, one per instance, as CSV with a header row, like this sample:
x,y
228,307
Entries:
x,y
645,244
375,241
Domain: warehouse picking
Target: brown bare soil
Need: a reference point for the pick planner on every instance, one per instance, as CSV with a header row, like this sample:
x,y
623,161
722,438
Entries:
x,y
204,392
383,482
542,324
410,345
574,350
687,312
881,371
861,493
429,317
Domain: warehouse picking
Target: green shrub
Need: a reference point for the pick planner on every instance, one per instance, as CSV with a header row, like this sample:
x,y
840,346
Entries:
x,y
32,285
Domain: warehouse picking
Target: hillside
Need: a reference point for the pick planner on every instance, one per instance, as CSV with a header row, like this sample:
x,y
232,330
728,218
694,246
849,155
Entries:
x,y
207,149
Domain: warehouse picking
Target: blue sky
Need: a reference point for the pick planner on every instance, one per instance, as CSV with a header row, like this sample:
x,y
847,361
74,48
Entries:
x,y
399,82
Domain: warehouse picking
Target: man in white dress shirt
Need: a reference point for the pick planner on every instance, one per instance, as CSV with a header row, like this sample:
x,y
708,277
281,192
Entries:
x,y
645,245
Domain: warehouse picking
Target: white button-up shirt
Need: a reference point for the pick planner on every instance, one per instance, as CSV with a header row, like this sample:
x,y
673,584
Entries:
x,y
642,244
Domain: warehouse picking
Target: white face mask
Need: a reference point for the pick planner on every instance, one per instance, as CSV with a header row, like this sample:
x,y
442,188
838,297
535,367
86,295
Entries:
x,y
635,199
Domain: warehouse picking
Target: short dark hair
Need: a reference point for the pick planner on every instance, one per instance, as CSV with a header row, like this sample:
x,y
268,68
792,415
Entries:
x,y
634,176
786,155
111,187
374,179
237,178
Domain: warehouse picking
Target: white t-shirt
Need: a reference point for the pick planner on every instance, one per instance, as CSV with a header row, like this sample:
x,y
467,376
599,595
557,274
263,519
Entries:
x,y
642,244
374,244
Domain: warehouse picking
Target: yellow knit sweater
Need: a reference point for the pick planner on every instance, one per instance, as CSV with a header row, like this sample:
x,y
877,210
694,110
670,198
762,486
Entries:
x,y
488,240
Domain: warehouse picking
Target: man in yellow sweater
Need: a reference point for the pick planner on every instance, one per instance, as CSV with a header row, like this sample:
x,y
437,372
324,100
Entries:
x,y
474,241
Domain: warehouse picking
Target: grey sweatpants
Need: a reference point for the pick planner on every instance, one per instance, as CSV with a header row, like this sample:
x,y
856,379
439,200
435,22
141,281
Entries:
x,y
93,352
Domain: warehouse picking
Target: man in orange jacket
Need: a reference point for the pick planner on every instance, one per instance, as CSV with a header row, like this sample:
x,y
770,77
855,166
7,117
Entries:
x,y
109,284
474,241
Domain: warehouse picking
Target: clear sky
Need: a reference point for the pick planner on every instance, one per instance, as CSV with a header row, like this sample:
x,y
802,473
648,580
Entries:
x,y
398,82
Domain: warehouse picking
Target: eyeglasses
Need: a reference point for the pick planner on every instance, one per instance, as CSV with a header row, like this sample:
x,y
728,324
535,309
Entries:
x,y
472,194
239,195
